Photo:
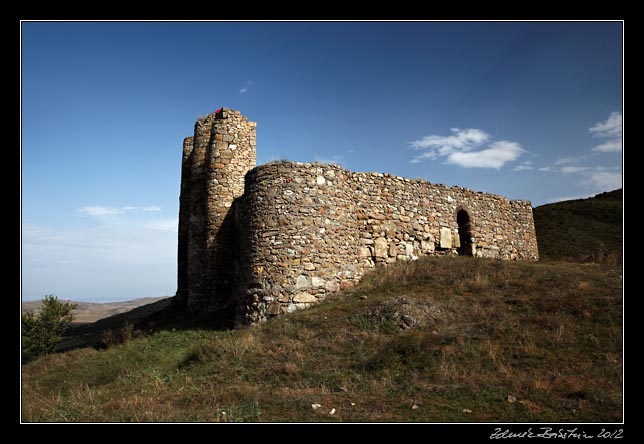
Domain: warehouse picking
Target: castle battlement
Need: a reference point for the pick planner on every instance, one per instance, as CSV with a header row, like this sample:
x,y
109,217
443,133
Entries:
x,y
255,242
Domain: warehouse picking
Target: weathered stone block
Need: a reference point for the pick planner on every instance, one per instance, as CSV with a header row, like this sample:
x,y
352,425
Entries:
x,y
332,286
301,282
446,238
304,297
381,248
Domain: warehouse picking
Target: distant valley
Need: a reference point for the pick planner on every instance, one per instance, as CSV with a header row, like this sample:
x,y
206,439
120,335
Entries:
x,y
87,312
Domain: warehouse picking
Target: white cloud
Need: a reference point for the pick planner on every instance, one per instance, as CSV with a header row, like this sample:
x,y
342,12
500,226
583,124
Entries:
x,y
497,155
466,148
545,168
462,140
610,129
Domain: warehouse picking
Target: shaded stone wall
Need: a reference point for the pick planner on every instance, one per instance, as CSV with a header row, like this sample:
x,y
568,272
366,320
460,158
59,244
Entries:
x,y
255,242
184,222
215,161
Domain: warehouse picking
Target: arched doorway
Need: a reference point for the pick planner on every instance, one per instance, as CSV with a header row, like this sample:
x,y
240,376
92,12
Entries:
x,y
465,233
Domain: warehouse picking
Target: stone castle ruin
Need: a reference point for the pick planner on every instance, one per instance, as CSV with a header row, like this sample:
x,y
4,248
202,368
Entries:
x,y
258,241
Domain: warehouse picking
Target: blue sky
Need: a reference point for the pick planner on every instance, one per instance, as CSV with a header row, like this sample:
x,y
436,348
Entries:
x,y
528,110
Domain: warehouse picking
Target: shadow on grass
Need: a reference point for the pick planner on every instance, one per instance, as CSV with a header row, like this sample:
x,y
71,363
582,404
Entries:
x,y
148,319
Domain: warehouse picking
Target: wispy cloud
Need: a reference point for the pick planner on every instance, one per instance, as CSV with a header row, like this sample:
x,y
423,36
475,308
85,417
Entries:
x,y
612,146
146,208
603,180
578,196
467,148
610,129
597,178
334,159
126,252
170,224
100,211
524,166
103,211
244,89
105,261
574,169
570,159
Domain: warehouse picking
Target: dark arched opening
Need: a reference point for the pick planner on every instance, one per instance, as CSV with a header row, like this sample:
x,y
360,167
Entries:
x,y
464,233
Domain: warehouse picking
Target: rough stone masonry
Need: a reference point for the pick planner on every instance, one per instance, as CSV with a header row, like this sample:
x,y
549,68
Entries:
x,y
258,241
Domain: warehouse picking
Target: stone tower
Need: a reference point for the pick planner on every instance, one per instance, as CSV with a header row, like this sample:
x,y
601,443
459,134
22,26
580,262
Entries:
x,y
215,161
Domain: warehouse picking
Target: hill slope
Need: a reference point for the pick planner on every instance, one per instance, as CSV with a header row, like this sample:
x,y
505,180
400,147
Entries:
x,y
436,340
581,230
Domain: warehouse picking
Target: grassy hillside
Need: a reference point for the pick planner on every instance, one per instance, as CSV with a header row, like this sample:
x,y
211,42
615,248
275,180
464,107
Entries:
x,y
581,230
437,340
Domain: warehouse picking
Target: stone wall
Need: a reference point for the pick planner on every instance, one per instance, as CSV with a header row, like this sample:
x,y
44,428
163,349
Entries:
x,y
285,235
311,229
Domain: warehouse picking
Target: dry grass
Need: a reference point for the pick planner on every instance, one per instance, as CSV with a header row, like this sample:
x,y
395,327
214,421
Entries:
x,y
548,334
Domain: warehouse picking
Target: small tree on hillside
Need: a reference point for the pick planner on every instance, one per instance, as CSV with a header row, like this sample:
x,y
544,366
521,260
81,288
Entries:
x,y
40,333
